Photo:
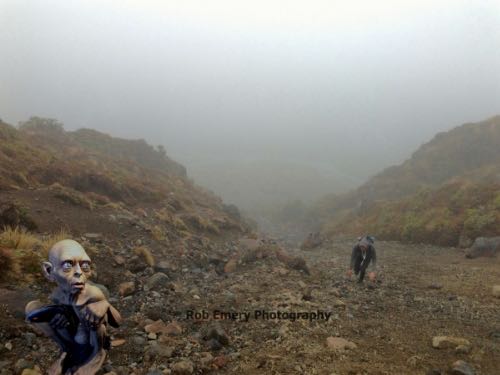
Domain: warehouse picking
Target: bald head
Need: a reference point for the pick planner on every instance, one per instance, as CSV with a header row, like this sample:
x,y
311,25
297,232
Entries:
x,y
66,248
68,266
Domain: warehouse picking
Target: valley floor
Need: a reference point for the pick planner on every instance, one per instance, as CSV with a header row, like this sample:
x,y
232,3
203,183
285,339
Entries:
x,y
422,292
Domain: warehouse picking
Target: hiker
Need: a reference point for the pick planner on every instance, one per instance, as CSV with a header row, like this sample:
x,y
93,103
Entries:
x,y
363,253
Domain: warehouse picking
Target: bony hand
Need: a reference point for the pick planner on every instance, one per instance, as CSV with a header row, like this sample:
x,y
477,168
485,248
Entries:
x,y
372,276
93,313
59,321
349,273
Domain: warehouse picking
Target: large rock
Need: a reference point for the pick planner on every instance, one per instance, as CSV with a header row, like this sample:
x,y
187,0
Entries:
x,y
339,344
484,247
449,342
296,263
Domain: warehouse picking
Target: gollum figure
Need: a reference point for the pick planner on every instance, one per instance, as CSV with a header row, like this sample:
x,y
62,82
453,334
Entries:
x,y
80,313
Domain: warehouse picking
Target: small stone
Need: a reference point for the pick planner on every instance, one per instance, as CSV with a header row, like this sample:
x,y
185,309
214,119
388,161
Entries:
x,y
221,361
152,336
216,332
339,344
158,280
462,368
230,266
138,341
301,284
206,359
173,329
195,296
496,291
155,327
119,260
92,235
118,342
126,288
8,346
447,342
157,350
183,367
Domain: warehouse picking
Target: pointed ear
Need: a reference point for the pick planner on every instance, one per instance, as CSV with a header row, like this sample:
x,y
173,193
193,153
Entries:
x,y
47,270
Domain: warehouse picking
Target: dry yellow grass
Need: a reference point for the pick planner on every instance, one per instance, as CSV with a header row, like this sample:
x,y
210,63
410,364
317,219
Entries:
x,y
18,238
146,254
180,224
158,233
164,215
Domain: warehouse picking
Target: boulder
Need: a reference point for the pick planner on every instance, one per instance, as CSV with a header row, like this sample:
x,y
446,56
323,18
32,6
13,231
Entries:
x,y
296,263
484,247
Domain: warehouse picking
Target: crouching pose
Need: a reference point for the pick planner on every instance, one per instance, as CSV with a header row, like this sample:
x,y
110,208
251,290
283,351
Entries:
x,y
80,313
363,254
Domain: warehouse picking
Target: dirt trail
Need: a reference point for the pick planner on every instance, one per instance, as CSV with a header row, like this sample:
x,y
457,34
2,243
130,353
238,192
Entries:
x,y
423,291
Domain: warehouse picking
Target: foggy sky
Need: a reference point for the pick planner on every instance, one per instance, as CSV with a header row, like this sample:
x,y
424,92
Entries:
x,y
345,87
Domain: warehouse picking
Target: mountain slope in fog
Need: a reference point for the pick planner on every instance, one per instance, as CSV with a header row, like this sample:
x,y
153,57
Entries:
x,y
93,170
449,189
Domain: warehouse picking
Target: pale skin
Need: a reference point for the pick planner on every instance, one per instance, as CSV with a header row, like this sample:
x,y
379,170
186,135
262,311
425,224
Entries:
x,y
69,267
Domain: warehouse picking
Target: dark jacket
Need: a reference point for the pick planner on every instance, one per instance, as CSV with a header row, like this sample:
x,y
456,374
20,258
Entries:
x,y
364,259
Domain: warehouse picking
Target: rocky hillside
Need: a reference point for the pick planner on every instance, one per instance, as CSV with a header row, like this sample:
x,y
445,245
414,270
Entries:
x,y
86,182
448,190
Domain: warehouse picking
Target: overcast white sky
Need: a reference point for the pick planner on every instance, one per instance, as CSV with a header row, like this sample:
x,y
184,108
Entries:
x,y
343,86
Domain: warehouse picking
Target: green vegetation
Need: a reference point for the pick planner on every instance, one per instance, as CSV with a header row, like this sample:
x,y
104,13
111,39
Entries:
x,y
449,189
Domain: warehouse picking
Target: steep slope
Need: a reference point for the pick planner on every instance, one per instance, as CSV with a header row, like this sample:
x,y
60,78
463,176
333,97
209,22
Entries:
x,y
88,182
449,188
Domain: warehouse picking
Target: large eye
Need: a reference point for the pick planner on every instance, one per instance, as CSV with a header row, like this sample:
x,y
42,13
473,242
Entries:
x,y
67,265
85,266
